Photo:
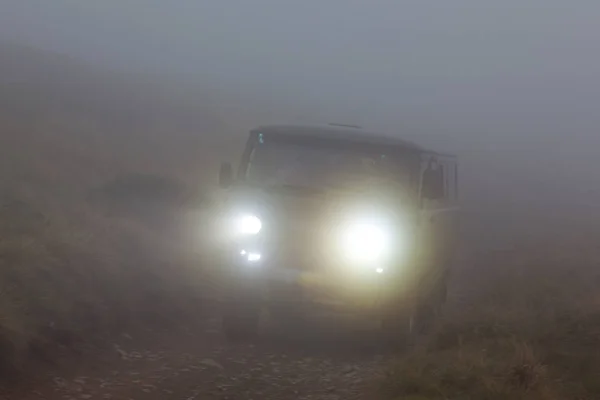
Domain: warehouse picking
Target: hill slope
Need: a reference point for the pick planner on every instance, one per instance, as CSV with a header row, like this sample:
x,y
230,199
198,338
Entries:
x,y
67,267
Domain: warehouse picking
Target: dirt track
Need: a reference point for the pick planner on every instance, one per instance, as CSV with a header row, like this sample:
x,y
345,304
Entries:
x,y
332,358
328,360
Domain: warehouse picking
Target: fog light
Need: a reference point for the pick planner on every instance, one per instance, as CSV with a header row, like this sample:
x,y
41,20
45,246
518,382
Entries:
x,y
253,257
250,256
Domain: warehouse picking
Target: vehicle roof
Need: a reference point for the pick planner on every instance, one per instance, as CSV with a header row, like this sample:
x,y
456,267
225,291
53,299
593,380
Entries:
x,y
345,132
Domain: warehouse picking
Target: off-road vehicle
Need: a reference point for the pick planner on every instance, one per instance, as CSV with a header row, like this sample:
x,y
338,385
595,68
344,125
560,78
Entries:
x,y
334,216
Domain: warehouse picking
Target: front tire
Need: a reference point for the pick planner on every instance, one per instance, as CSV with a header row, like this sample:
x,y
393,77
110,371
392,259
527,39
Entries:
x,y
241,316
428,312
408,325
286,308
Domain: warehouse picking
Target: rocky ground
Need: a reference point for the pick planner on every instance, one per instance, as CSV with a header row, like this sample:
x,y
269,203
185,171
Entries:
x,y
330,359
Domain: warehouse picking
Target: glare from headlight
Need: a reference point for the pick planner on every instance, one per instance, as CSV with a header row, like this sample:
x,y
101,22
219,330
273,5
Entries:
x,y
253,257
249,225
366,242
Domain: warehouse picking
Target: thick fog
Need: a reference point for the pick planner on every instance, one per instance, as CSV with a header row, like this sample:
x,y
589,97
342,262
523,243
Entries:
x,y
513,86
429,60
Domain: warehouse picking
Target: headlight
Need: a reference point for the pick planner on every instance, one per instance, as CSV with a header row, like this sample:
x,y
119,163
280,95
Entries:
x,y
366,242
248,225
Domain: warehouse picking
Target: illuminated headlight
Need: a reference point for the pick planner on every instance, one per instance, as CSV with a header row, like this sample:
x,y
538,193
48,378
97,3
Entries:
x,y
366,242
248,225
251,256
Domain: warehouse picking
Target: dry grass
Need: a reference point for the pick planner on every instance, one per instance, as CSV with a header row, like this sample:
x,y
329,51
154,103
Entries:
x,y
75,260
66,277
71,268
530,332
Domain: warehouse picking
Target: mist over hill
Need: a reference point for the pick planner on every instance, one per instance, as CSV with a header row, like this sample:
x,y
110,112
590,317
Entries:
x,y
165,124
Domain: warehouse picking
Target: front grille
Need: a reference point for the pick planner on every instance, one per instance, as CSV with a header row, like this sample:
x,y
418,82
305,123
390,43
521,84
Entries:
x,y
297,232
299,246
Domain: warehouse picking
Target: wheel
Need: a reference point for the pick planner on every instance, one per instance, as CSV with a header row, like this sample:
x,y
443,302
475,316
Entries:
x,y
241,316
286,306
405,329
240,321
428,311
399,332
288,315
408,325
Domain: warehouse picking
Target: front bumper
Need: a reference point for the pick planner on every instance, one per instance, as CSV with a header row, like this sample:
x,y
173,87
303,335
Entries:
x,y
320,282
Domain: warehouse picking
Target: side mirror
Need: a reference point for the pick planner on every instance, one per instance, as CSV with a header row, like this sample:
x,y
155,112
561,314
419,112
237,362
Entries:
x,y
433,184
225,175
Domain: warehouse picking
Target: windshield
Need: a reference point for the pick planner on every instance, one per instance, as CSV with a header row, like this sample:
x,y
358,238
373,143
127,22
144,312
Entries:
x,y
277,164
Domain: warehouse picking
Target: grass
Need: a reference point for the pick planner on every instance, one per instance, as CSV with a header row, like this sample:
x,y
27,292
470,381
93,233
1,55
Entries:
x,y
98,170
530,332
67,276
73,269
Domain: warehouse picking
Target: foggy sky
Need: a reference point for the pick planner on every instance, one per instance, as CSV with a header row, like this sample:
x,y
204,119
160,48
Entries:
x,y
514,85
436,60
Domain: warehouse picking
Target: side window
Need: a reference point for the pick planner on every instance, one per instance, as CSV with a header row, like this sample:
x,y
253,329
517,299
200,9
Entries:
x,y
433,187
247,158
439,181
249,162
451,188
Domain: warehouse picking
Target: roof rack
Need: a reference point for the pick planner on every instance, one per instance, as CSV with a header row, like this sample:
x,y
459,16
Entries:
x,y
345,125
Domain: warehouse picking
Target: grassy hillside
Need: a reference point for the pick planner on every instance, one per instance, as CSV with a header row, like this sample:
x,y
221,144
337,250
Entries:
x,y
528,331
81,150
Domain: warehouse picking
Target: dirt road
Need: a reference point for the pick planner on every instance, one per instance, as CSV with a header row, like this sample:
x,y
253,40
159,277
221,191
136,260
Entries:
x,y
327,360
330,358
